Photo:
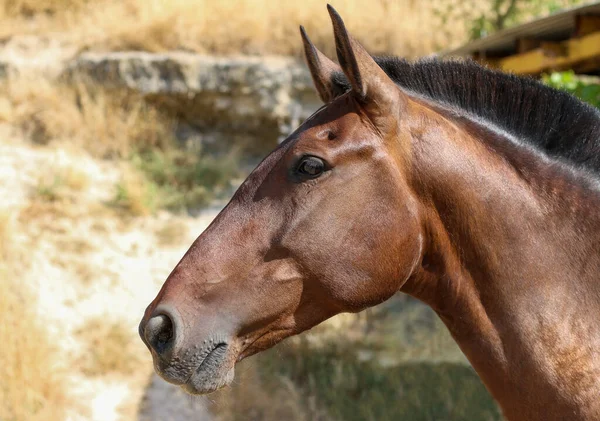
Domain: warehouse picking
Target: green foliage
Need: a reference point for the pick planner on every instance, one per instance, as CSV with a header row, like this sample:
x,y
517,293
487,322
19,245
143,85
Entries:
x,y
136,195
502,14
186,179
484,17
584,88
173,179
349,389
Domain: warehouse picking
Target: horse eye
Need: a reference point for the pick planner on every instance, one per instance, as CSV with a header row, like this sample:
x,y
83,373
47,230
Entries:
x,y
311,167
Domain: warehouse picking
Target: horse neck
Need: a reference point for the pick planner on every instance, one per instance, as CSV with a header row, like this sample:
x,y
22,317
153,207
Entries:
x,y
511,265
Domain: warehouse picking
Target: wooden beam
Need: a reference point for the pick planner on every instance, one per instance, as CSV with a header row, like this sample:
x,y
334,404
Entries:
x,y
554,49
586,24
525,44
587,66
564,56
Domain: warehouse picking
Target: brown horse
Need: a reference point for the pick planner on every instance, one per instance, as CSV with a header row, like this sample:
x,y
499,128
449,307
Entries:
x,y
476,192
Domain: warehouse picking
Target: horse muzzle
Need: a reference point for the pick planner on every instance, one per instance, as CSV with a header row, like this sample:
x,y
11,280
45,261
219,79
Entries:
x,y
198,365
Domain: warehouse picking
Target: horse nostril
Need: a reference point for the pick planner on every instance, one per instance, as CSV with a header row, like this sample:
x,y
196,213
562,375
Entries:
x,y
159,332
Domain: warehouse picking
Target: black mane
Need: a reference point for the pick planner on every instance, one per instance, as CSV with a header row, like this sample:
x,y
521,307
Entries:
x,y
553,121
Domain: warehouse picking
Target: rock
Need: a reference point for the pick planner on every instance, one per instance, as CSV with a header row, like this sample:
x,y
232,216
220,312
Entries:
x,y
220,102
250,101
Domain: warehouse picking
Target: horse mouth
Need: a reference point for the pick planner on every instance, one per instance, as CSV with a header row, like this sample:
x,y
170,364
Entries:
x,y
212,374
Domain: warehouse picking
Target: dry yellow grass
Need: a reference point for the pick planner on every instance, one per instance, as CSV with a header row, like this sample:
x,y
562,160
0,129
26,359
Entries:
x,y
7,220
34,384
61,183
106,123
401,27
111,347
404,27
110,124
135,194
171,233
17,8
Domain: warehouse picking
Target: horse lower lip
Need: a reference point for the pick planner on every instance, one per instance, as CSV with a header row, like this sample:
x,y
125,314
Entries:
x,y
218,352
208,376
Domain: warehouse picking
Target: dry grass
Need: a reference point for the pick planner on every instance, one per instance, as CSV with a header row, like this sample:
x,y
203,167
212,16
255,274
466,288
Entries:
x,y
401,27
404,27
113,124
135,195
171,233
7,221
110,348
61,183
19,8
106,123
34,384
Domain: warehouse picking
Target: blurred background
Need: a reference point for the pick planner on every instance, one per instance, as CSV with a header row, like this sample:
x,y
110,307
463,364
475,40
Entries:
x,y
125,126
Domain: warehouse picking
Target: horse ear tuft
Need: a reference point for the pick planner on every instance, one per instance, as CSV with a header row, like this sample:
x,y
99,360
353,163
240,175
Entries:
x,y
321,68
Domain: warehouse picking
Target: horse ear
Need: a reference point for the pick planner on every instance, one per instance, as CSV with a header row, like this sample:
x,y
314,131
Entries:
x,y
321,69
373,87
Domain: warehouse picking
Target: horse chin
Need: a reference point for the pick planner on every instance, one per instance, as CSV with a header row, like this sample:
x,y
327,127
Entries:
x,y
215,372
199,384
